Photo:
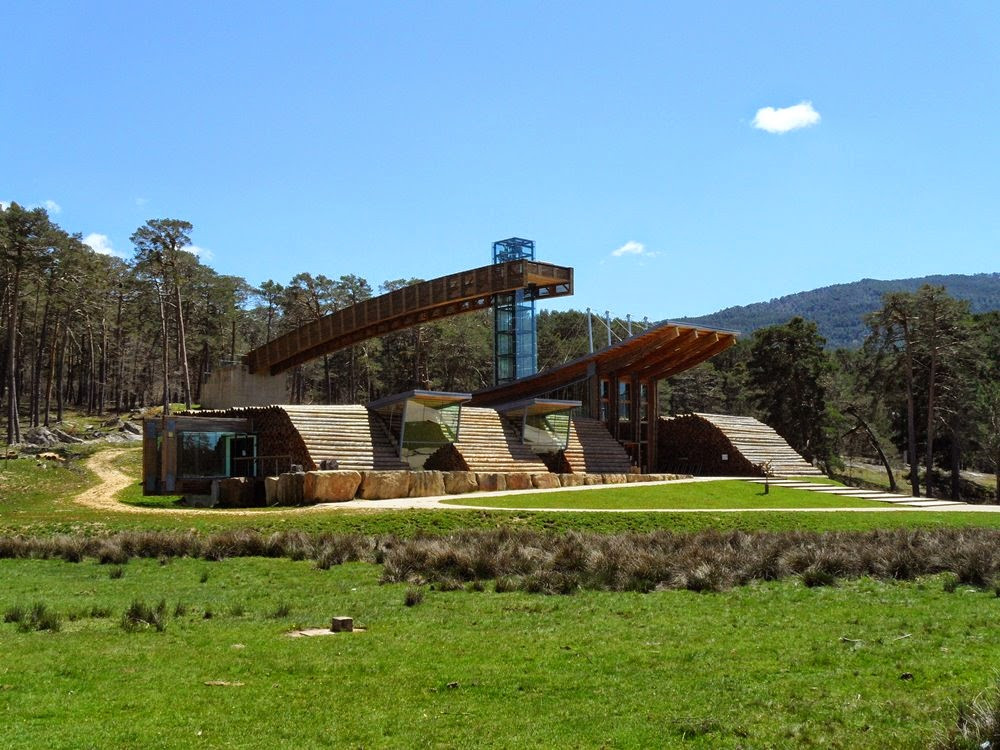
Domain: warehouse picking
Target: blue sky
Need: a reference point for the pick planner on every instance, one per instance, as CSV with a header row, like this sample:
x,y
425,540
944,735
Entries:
x,y
397,140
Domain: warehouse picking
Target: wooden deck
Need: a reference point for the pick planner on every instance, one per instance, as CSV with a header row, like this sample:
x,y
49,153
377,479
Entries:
x,y
438,298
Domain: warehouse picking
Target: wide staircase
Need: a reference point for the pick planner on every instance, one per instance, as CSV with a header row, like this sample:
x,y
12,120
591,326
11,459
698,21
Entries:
x,y
592,450
488,443
758,443
349,435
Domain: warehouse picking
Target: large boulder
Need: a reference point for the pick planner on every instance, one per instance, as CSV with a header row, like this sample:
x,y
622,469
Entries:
x,y
591,479
271,490
518,480
384,485
615,478
491,481
571,480
426,484
235,492
290,488
460,482
330,486
41,436
634,478
545,481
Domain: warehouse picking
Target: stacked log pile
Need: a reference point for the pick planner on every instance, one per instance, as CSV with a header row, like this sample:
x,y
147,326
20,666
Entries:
x,y
592,450
724,445
487,443
758,443
349,435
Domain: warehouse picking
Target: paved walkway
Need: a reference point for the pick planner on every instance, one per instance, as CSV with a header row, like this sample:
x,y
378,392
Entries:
x,y
893,502
883,497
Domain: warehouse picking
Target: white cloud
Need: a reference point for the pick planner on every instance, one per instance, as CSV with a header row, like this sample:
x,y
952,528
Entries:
x,y
52,207
801,115
140,202
201,253
633,248
100,243
4,205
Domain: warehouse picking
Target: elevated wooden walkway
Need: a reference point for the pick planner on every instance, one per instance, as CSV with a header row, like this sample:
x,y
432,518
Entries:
x,y
592,450
487,443
412,305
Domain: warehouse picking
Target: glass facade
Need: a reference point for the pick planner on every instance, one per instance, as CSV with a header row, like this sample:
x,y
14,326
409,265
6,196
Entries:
x,y
515,338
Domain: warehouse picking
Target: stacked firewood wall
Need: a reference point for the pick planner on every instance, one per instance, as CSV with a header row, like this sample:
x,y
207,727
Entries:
x,y
690,445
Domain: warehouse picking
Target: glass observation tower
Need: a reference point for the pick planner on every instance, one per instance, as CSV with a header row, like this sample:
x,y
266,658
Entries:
x,y
515,341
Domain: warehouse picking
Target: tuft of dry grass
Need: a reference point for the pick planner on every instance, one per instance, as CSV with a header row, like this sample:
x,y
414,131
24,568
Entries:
x,y
977,725
562,563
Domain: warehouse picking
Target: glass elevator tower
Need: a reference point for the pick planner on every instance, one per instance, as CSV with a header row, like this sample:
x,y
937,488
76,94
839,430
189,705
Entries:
x,y
515,343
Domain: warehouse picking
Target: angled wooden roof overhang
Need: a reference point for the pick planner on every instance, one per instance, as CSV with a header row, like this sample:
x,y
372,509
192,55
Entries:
x,y
659,352
536,406
432,399
412,305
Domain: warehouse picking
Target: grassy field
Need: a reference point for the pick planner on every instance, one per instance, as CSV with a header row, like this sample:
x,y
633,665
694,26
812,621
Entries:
x,y
769,665
38,500
687,495
865,663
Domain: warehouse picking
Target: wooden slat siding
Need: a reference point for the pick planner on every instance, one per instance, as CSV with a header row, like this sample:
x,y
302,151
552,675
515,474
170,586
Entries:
x,y
402,308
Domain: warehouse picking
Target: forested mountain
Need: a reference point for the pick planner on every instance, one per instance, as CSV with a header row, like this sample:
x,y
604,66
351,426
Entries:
x,y
839,310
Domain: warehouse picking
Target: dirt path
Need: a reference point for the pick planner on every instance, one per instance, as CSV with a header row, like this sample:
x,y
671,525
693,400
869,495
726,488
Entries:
x,y
111,481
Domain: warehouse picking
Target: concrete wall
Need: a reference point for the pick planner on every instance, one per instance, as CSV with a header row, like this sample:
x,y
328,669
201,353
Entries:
x,y
235,386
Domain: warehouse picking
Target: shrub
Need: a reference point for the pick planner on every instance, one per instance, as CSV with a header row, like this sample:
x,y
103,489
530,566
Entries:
x,y
816,575
15,613
977,724
116,572
414,596
38,617
141,616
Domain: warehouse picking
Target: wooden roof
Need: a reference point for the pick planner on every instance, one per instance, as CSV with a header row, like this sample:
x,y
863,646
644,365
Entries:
x,y
412,305
658,352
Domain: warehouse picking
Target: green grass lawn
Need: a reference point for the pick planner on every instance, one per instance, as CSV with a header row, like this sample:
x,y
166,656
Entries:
x,y
770,665
38,500
683,495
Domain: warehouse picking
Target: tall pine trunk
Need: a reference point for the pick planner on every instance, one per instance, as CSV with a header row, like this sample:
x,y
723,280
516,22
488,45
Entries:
x,y
182,345
13,425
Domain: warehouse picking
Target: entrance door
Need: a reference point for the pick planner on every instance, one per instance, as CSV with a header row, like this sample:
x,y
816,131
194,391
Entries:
x,y
242,452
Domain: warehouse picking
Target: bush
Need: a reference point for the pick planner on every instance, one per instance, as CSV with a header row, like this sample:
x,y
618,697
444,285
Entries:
x,y
39,617
414,596
817,576
16,613
141,616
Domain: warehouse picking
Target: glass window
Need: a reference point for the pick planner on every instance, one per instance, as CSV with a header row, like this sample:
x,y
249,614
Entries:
x,y
201,454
